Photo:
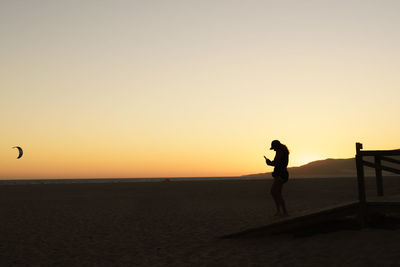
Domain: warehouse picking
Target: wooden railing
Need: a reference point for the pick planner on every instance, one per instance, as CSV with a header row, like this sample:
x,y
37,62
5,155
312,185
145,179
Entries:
x,y
379,156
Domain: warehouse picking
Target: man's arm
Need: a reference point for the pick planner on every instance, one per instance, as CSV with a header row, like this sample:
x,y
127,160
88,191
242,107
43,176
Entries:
x,y
270,163
278,158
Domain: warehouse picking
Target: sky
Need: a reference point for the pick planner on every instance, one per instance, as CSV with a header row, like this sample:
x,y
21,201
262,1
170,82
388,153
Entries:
x,y
93,89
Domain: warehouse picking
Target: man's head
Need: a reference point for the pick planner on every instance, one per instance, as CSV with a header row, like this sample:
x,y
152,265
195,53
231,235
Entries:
x,y
275,144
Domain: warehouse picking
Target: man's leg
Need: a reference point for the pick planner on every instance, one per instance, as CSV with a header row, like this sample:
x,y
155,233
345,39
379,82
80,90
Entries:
x,y
280,199
274,193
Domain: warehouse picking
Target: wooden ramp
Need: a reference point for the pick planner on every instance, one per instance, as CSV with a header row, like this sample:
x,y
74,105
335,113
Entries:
x,y
301,220
383,205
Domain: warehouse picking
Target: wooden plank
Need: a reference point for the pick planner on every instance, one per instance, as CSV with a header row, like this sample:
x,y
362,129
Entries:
x,y
387,198
390,169
395,152
383,204
300,220
368,164
385,168
360,178
384,207
390,160
378,173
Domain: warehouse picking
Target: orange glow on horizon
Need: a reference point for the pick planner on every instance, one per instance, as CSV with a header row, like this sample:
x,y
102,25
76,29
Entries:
x,y
195,88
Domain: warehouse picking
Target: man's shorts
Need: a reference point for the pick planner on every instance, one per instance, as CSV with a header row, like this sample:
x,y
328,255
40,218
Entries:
x,y
282,175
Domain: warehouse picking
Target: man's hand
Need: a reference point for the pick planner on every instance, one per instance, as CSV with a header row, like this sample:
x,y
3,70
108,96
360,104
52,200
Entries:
x,y
267,160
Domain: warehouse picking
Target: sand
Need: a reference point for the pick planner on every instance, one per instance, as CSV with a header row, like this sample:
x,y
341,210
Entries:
x,y
179,224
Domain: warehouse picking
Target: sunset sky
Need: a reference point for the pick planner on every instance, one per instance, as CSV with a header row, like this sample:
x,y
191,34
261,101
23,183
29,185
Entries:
x,y
193,88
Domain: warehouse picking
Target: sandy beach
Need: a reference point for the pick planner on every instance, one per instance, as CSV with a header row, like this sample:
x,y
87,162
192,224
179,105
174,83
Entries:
x,y
180,223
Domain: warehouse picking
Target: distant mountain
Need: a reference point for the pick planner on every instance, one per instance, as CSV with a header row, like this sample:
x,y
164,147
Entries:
x,y
324,168
327,167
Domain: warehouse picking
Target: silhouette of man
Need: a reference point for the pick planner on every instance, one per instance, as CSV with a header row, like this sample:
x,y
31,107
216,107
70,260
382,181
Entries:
x,y
280,174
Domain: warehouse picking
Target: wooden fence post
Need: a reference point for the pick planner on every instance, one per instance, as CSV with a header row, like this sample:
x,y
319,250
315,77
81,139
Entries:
x,y
362,211
360,174
378,173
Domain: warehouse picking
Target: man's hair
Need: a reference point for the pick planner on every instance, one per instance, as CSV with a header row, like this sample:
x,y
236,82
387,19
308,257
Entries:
x,y
284,148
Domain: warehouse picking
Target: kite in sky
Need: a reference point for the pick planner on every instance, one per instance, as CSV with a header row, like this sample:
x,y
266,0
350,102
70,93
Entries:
x,y
21,152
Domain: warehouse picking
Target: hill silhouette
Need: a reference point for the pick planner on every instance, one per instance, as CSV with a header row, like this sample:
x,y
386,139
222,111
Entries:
x,y
324,168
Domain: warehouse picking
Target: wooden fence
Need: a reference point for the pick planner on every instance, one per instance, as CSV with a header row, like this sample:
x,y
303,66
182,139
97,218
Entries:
x,y
379,156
